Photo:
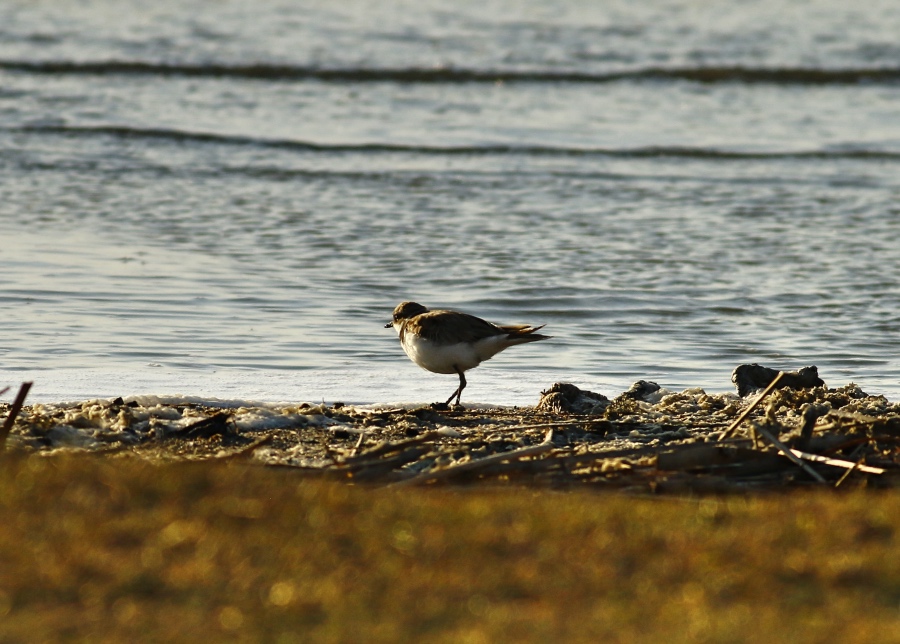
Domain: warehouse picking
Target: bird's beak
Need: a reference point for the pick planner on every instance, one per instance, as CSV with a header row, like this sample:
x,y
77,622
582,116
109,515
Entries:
x,y
388,325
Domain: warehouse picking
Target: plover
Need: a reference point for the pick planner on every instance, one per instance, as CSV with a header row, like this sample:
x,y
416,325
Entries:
x,y
453,342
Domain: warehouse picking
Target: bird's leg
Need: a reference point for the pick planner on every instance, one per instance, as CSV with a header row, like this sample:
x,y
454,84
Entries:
x,y
462,385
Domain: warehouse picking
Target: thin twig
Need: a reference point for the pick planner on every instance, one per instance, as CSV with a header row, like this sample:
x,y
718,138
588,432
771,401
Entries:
x,y
13,412
592,458
469,466
740,419
389,447
504,428
359,443
849,472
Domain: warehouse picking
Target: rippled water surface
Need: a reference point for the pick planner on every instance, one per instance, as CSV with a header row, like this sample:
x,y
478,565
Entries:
x,y
227,199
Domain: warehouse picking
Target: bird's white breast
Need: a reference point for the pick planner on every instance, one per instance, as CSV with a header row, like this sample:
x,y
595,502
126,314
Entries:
x,y
446,358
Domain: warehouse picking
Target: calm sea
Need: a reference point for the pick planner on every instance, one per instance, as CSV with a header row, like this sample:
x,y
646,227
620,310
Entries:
x,y
228,198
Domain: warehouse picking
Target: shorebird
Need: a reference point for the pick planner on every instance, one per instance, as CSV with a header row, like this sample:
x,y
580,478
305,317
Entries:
x,y
453,342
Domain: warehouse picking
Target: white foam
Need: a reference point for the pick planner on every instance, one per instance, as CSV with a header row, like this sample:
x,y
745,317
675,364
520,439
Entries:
x,y
376,387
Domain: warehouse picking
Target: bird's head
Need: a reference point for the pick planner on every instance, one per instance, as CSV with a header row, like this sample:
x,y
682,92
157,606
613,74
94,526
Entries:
x,y
405,311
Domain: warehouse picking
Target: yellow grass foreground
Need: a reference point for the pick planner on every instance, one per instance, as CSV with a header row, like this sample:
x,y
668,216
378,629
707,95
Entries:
x,y
98,549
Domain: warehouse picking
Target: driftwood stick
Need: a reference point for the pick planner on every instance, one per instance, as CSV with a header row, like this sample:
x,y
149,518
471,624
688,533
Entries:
x,y
536,468
470,466
377,468
836,462
562,423
13,412
389,447
728,432
359,444
784,449
591,458
4,390
247,450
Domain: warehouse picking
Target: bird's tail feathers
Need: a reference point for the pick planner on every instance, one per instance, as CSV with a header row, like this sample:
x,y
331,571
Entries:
x,y
521,333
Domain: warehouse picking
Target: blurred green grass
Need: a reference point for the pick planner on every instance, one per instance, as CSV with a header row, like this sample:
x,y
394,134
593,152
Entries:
x,y
111,550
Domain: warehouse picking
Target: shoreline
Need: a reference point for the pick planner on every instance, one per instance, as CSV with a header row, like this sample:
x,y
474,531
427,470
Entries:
x,y
646,440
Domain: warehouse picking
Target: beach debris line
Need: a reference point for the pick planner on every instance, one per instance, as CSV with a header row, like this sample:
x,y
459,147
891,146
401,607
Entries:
x,y
647,439
696,463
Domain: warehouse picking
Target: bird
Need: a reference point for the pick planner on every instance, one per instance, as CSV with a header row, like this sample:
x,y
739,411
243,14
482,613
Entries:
x,y
443,341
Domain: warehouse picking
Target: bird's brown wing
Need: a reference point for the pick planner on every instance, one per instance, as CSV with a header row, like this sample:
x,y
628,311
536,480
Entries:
x,y
451,327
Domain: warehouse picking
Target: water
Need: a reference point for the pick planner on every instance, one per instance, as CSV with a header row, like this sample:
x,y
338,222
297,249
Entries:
x,y
226,199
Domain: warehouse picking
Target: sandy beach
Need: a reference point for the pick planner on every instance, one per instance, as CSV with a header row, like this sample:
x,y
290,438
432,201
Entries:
x,y
646,440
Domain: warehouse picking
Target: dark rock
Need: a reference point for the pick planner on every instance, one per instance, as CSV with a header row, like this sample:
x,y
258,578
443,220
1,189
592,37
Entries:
x,y
640,390
753,377
626,403
566,398
216,425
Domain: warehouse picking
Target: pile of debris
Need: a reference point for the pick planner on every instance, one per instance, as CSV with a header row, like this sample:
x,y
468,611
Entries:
x,y
782,430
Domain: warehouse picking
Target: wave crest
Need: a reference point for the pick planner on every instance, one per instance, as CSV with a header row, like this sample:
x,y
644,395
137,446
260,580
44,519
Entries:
x,y
706,75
